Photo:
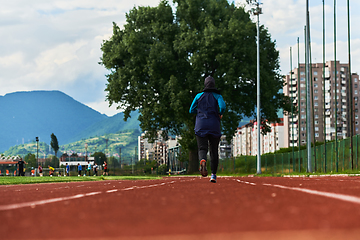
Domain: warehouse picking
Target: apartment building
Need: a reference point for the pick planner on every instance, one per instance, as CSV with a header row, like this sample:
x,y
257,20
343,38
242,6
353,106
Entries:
x,y
245,140
329,100
158,150
224,148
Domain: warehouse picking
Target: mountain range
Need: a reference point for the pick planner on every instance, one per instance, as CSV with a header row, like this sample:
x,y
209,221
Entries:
x,y
27,115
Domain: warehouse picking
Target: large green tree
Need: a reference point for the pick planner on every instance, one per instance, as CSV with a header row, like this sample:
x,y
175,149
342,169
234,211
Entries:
x,y
100,157
159,59
30,159
54,143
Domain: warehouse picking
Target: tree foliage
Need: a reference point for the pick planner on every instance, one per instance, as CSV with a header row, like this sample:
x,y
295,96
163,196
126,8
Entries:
x,y
160,58
53,162
100,157
30,159
54,143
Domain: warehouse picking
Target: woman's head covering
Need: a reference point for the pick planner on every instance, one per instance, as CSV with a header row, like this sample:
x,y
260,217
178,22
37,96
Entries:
x,y
209,85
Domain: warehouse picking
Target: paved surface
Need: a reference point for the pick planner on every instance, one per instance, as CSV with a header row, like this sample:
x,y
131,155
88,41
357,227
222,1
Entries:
x,y
184,208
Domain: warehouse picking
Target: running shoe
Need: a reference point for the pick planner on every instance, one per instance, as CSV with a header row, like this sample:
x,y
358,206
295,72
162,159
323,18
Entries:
x,y
213,178
203,170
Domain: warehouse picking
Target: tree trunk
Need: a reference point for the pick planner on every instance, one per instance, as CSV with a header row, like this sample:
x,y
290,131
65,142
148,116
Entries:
x,y
193,166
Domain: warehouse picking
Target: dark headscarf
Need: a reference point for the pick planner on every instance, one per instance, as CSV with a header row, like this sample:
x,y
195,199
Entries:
x,y
209,85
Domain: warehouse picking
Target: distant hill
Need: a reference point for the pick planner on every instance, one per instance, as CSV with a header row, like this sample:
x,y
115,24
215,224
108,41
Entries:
x,y
26,115
126,140
112,124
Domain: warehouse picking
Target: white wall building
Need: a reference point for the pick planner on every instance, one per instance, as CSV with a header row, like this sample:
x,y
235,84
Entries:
x,y
158,150
245,139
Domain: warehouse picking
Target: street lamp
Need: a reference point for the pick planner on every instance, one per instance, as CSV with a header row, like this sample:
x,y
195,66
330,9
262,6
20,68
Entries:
x,y
37,150
257,10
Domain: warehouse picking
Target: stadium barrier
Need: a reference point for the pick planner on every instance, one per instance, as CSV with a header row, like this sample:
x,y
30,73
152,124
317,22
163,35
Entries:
x,y
324,159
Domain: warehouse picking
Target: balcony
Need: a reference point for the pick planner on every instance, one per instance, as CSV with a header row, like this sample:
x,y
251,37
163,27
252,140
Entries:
x,y
327,73
295,138
293,119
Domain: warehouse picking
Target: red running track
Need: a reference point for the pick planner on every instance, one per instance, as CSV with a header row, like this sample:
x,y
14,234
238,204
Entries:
x,y
184,208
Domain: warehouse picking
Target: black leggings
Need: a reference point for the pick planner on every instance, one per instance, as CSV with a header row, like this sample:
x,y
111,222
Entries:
x,y
212,142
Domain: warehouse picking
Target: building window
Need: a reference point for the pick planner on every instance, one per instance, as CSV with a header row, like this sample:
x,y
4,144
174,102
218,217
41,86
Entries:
x,y
315,85
316,122
316,116
303,91
303,110
316,103
315,97
316,135
355,92
302,73
315,91
302,79
356,116
315,79
355,85
303,116
315,73
355,80
316,128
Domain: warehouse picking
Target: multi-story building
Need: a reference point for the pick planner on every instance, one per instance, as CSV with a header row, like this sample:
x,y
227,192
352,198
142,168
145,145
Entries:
x,y
325,92
158,150
242,139
224,148
245,139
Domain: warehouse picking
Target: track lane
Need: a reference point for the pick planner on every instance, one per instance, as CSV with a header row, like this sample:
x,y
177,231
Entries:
x,y
188,207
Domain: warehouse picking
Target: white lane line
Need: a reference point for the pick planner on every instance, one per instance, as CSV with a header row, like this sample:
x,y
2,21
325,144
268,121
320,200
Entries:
x,y
338,196
92,193
149,186
110,191
250,183
42,202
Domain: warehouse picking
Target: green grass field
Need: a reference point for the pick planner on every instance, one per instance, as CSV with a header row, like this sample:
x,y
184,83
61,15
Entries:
x,y
30,180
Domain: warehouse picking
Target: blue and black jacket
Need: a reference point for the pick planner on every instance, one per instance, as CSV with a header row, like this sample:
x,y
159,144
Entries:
x,y
208,106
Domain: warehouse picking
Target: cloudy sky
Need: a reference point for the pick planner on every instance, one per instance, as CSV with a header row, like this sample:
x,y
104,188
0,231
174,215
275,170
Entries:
x,y
55,44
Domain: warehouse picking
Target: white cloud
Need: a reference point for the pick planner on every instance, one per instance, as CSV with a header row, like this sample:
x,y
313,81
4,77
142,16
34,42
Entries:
x,y
55,45
103,107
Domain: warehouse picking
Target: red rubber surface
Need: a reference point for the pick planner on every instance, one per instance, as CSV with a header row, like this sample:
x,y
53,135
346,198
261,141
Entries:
x,y
182,208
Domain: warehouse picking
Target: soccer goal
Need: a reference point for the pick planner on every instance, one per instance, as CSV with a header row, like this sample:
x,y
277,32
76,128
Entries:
x,y
57,172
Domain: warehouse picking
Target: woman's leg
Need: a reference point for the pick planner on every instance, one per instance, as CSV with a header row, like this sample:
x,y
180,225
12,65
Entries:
x,y
202,143
214,153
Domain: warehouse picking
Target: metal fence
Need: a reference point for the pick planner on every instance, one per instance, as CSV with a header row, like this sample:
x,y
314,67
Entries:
x,y
324,160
